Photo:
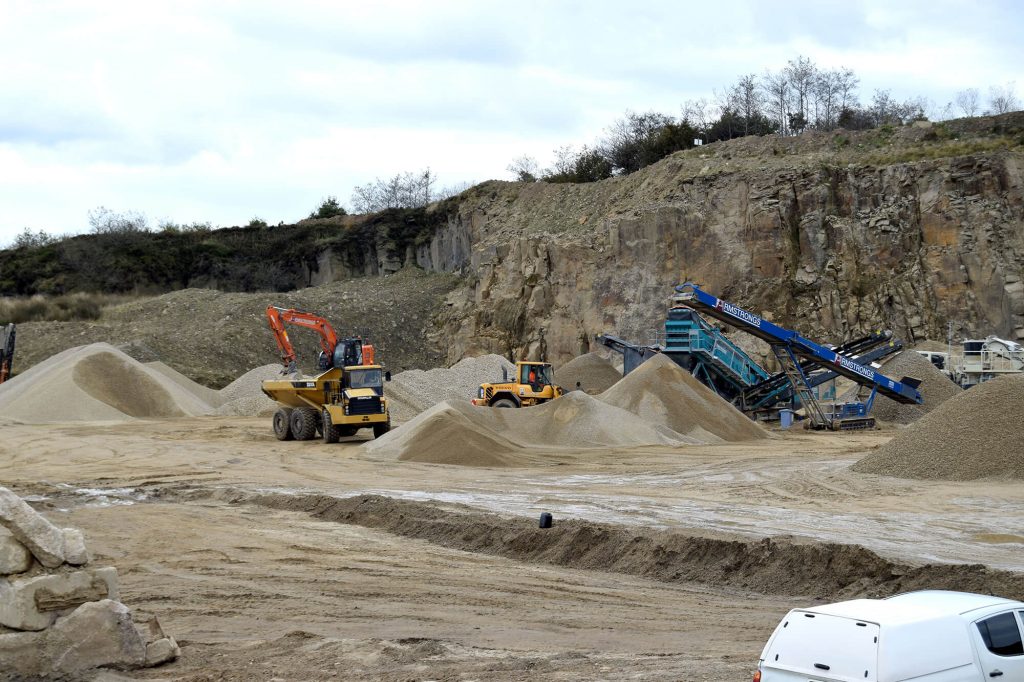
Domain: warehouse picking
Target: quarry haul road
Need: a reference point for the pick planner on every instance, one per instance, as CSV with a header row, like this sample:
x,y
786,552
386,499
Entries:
x,y
258,593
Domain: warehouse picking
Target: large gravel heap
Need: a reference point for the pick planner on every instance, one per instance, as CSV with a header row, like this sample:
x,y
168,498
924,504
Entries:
x,y
593,373
243,397
976,434
96,383
661,392
416,390
456,432
59,614
936,388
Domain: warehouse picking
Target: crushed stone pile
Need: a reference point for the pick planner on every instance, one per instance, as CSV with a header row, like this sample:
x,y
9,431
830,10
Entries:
x,y
594,373
976,434
411,392
456,432
208,395
243,397
661,392
60,615
936,388
95,383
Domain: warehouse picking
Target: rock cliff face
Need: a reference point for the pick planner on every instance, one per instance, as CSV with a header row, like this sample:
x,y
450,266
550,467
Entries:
x,y
834,234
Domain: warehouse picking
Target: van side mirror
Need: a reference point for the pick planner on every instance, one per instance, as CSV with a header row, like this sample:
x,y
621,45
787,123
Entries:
x,y
387,375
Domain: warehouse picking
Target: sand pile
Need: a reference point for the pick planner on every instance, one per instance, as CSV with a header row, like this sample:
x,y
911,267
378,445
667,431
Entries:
x,y
594,374
208,395
95,383
936,388
456,432
416,390
243,397
976,434
661,392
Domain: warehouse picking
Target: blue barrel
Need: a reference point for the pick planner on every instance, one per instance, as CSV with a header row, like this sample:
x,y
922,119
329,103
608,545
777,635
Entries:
x,y
786,417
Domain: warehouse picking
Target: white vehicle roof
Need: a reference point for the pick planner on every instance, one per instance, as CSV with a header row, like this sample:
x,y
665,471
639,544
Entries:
x,y
912,607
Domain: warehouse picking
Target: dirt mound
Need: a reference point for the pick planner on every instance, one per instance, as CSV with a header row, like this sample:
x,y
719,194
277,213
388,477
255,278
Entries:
x,y
936,388
456,432
95,382
769,566
972,435
661,392
416,390
243,397
594,374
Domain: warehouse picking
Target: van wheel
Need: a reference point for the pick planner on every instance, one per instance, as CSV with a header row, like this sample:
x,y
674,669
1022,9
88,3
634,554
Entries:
x,y
504,402
303,422
282,423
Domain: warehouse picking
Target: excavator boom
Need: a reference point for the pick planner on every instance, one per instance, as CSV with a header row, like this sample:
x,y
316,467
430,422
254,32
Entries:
x,y
354,351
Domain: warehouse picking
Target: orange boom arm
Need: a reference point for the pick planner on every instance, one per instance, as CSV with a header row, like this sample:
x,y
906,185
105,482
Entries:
x,y
277,317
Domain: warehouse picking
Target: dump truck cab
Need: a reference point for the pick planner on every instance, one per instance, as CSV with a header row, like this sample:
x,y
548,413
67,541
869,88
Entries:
x,y
531,384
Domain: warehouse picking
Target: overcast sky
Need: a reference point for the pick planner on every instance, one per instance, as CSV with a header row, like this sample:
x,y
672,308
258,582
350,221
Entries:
x,y
224,111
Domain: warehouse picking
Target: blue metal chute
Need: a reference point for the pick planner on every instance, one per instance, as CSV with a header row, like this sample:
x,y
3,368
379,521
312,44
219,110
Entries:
x,y
792,348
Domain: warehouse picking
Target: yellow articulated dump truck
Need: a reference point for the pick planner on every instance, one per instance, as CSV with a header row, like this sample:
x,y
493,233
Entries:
x,y
347,396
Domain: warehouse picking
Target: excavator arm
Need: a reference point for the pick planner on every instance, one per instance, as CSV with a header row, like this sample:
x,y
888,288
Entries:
x,y
278,317
6,352
353,351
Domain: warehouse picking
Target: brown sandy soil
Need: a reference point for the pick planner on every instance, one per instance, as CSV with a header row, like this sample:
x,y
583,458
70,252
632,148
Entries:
x,y
255,592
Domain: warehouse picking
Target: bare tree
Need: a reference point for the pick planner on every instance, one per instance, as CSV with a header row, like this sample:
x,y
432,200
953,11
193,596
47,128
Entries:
x,y
968,101
833,90
776,93
745,98
699,113
404,190
802,76
104,221
1002,100
525,168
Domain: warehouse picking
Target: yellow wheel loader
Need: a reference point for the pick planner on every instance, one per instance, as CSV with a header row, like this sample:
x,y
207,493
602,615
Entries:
x,y
532,384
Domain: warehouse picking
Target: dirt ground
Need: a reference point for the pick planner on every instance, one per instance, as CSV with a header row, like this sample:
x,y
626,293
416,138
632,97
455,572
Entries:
x,y
256,592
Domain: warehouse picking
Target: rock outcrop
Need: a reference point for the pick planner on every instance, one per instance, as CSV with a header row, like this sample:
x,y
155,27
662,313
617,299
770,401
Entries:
x,y
58,617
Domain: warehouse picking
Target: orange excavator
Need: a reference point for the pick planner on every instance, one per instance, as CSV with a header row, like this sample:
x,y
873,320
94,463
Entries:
x,y
334,352
6,352
346,396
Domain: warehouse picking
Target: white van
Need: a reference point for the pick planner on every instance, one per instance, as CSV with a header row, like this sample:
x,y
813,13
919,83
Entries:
x,y
928,636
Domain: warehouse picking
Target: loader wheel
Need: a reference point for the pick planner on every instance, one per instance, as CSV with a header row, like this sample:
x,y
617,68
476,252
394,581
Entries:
x,y
330,431
380,429
282,423
504,402
303,422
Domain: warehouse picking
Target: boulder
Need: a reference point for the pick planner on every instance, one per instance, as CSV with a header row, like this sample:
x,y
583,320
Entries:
x,y
75,552
43,539
14,556
97,634
35,603
161,651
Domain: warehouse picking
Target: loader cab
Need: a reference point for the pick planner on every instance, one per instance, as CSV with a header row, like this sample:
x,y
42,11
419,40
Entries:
x,y
540,372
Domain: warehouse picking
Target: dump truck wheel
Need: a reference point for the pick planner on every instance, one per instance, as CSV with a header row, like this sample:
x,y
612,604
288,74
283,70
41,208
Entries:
x,y
380,429
330,431
504,402
347,431
282,423
303,422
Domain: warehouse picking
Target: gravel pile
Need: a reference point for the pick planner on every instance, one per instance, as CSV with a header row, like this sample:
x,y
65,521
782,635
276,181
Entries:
x,y
661,392
416,390
95,383
976,434
243,397
936,388
594,374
